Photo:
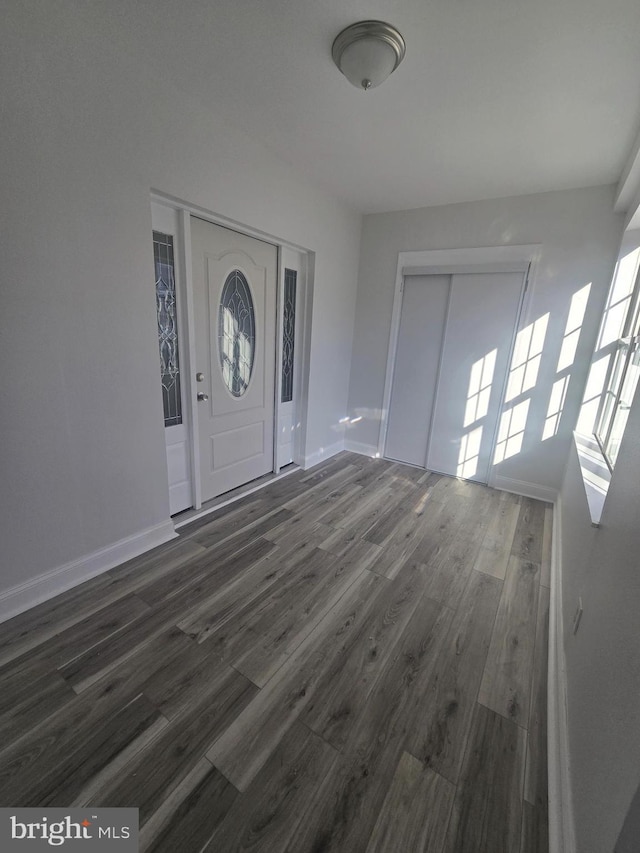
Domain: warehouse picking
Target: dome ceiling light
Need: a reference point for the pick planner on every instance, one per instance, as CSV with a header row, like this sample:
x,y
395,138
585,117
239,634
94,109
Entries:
x,y
368,52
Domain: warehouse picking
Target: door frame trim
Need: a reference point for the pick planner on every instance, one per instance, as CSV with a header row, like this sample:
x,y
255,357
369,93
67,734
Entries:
x,y
285,260
187,264
167,219
450,261
185,211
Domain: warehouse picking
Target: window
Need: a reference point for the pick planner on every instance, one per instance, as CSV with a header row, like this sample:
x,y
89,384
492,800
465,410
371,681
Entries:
x,y
288,334
167,327
620,335
236,333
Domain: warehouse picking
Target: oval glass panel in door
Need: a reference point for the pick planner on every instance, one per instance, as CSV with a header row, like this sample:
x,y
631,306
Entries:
x,y
236,333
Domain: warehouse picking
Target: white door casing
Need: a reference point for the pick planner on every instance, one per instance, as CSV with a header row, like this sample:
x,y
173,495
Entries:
x,y
235,427
177,436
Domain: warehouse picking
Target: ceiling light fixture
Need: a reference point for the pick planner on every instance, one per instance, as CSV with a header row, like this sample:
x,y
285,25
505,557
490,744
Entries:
x,y
368,52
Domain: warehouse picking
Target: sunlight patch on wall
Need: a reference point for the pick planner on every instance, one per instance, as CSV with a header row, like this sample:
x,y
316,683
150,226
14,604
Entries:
x,y
556,405
511,432
469,453
592,394
526,358
573,327
480,388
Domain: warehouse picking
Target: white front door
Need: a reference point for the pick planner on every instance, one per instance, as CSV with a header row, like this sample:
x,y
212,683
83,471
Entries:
x,y
234,296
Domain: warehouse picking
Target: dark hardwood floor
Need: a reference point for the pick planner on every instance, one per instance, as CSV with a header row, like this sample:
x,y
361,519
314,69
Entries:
x,y
351,659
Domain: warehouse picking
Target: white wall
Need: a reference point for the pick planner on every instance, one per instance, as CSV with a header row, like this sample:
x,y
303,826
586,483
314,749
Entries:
x,y
579,234
603,658
87,133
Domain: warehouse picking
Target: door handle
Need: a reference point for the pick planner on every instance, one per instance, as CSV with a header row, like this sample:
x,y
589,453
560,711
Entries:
x,y
202,396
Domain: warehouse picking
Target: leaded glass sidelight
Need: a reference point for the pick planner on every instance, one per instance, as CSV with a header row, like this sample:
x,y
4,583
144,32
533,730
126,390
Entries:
x,y
167,327
236,333
288,333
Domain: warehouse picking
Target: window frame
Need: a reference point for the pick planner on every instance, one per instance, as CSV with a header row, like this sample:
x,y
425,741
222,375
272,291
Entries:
x,y
617,371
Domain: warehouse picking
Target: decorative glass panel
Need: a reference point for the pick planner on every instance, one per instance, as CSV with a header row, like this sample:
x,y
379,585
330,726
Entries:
x,y
236,333
288,333
167,327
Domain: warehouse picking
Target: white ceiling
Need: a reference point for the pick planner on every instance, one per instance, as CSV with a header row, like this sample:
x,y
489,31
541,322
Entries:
x,y
494,97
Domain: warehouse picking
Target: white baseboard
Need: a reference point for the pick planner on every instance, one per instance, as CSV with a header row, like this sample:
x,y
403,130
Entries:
x,y
561,828
522,487
363,449
19,598
323,453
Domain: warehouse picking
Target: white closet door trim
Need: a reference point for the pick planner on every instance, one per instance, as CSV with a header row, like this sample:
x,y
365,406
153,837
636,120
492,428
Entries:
x,y
438,261
461,269
185,221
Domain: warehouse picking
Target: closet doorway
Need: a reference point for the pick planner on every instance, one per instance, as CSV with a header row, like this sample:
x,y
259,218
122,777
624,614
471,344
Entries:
x,y
450,356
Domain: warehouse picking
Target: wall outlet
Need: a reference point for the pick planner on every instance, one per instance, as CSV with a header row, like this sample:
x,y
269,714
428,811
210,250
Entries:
x,y
577,616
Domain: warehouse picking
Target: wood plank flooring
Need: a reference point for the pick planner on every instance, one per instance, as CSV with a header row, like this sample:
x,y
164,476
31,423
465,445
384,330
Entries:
x,y
351,659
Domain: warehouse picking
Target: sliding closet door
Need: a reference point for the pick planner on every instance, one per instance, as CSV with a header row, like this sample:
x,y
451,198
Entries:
x,y
422,319
482,315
